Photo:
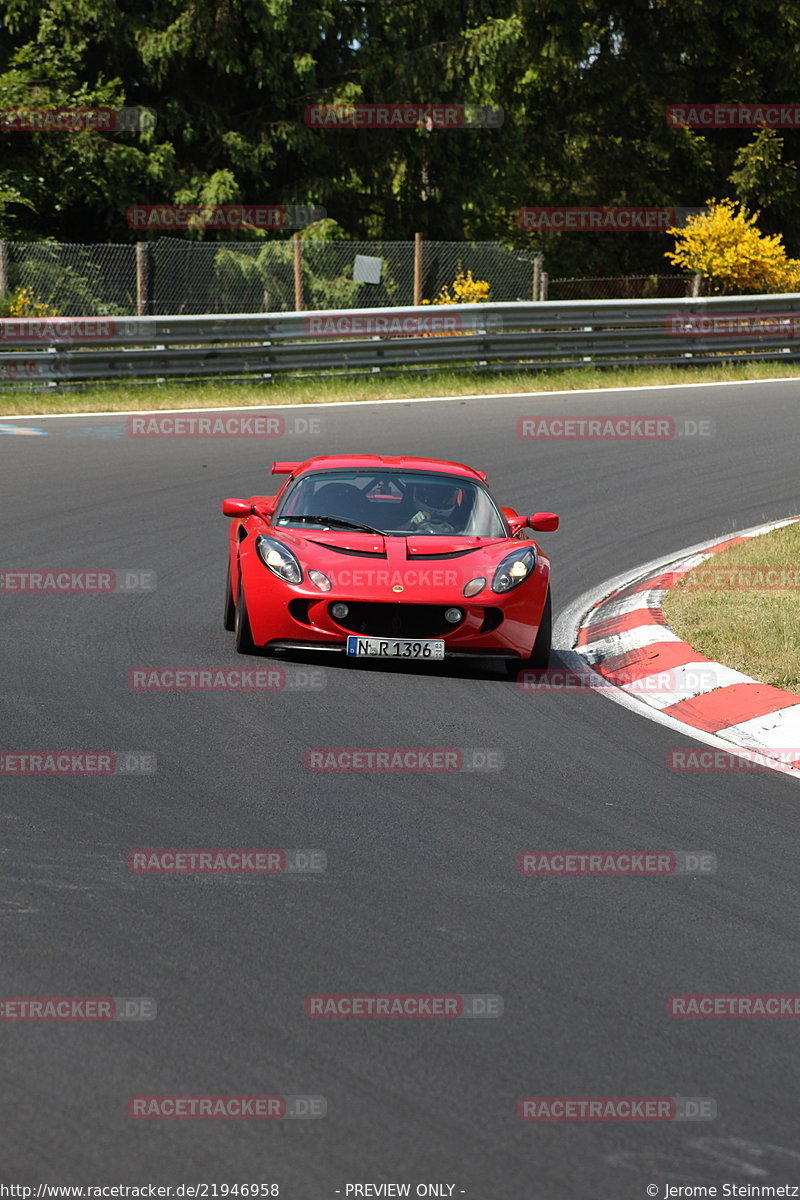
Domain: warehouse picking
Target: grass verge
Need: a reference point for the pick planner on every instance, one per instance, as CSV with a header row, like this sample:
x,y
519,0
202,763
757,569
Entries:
x,y
119,397
742,607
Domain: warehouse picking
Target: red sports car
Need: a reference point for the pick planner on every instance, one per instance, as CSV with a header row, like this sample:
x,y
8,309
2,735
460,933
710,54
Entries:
x,y
396,558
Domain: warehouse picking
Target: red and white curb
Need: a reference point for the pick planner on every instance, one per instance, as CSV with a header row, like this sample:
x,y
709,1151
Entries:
x,y
621,633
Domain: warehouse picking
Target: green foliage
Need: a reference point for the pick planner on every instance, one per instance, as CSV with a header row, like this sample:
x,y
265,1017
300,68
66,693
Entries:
x,y
584,87
263,278
764,181
80,288
9,196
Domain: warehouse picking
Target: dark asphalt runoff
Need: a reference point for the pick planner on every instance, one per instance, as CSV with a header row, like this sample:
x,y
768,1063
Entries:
x,y
422,892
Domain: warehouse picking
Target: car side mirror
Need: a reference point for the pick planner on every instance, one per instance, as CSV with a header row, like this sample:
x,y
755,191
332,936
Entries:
x,y
237,508
544,521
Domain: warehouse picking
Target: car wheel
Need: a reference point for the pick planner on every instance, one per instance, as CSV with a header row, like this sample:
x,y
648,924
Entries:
x,y
539,658
229,620
242,635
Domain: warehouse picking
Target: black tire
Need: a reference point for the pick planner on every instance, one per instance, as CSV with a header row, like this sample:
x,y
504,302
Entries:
x,y
229,620
540,654
242,634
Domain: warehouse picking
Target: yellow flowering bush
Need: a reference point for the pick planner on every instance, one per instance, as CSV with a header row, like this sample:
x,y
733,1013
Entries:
x,y
23,303
725,247
466,290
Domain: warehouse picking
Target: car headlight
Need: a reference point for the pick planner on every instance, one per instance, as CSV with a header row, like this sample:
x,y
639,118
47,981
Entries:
x,y
279,559
513,570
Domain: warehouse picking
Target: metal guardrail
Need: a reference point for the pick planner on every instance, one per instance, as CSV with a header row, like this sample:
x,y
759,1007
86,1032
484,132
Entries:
x,y
514,336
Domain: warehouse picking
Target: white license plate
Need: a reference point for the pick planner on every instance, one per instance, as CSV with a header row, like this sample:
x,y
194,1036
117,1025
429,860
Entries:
x,y
369,647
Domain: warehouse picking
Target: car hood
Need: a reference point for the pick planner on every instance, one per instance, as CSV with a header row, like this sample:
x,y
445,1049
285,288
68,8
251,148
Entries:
x,y
346,541
429,568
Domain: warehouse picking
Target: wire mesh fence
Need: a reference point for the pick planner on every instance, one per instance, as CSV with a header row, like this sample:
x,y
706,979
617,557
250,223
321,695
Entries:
x,y
71,279
177,276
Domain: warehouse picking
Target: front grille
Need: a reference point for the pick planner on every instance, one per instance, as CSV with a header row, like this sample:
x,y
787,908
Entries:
x,y
396,620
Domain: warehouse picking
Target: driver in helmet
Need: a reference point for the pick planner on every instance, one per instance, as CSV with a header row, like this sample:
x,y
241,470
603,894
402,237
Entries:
x,y
435,507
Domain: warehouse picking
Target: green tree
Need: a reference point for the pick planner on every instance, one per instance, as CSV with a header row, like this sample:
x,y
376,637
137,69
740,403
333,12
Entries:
x,y
584,87
763,180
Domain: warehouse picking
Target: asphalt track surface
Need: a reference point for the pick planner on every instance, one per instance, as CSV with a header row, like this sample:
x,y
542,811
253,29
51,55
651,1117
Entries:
x,y
422,893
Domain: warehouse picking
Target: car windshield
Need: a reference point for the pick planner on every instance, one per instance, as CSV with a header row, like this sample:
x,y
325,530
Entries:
x,y
397,503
